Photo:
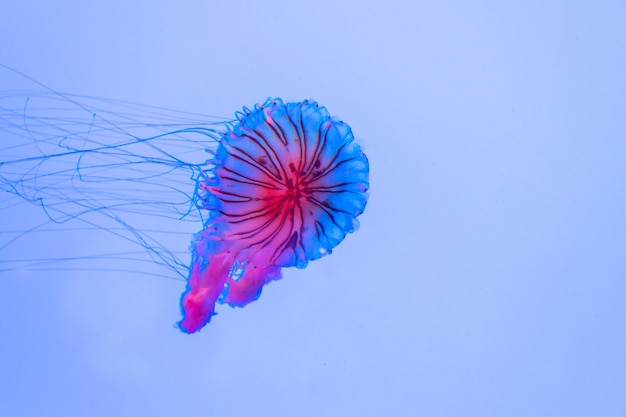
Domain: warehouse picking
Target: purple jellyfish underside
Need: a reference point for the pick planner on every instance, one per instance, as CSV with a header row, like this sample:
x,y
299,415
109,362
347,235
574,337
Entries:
x,y
286,185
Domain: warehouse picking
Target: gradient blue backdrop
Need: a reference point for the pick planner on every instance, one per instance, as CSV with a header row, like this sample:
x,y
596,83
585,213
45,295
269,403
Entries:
x,y
488,277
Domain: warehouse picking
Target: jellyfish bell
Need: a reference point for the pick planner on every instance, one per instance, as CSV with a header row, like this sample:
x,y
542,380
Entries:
x,y
286,185
278,186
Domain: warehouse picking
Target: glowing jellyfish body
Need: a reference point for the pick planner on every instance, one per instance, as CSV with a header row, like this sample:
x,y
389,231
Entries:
x,y
287,184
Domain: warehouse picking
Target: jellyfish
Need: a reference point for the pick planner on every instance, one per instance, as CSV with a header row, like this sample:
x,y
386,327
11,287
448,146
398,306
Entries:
x,y
280,185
